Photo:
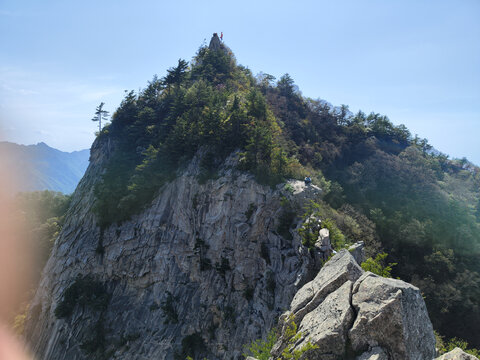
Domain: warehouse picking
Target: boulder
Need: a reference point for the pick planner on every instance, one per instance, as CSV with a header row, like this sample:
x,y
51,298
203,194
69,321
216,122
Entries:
x,y
328,324
323,241
391,314
346,312
358,252
340,268
456,354
376,353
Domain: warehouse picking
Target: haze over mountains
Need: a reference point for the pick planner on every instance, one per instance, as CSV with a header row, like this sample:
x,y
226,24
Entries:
x,y
41,167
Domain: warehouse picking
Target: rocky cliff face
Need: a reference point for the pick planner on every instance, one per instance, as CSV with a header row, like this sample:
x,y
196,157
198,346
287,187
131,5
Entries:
x,y
202,268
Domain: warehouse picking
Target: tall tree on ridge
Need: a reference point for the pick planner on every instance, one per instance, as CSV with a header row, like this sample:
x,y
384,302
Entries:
x,y
99,115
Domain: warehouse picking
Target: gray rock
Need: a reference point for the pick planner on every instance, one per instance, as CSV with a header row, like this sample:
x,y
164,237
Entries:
x,y
177,246
377,317
391,314
327,325
339,269
215,43
323,241
376,353
358,252
456,354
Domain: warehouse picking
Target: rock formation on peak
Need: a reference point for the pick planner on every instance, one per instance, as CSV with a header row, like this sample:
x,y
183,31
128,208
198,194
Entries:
x,y
215,43
346,312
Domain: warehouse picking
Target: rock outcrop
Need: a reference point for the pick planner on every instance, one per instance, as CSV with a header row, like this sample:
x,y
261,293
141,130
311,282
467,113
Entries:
x,y
203,267
346,312
456,354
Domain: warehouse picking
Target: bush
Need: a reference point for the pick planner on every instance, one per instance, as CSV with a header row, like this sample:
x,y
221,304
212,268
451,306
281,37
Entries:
x,y
444,346
336,237
378,266
260,349
292,337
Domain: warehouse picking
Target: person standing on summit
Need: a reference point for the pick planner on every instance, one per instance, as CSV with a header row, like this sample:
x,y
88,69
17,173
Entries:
x,y
221,36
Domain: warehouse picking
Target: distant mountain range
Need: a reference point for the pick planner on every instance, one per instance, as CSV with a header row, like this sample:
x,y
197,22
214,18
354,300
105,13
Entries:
x,y
41,167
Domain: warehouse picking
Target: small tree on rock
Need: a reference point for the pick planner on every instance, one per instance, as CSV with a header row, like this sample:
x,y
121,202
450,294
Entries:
x,y
99,115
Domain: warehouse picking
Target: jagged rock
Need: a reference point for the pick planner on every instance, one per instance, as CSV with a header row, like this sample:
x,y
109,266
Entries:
x,y
456,354
340,269
335,273
323,242
215,43
308,191
358,251
327,325
391,314
377,317
376,353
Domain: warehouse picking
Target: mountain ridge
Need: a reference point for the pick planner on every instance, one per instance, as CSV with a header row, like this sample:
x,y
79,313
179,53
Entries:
x,y
188,186
41,167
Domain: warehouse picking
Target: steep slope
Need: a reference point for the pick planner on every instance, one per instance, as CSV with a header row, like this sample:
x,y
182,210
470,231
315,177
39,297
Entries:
x,y
202,269
41,167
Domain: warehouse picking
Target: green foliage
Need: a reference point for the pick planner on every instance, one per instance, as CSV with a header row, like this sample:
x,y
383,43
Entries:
x,y
378,265
444,346
260,349
207,168
43,214
289,188
380,184
84,291
336,236
213,104
292,336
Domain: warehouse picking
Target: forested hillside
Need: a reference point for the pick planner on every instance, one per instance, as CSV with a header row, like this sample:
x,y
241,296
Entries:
x,y
422,206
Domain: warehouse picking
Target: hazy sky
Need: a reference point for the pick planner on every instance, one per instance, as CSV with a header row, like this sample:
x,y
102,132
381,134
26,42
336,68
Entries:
x,y
418,62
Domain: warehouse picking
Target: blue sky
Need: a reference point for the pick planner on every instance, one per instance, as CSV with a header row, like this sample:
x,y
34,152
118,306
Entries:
x,y
418,62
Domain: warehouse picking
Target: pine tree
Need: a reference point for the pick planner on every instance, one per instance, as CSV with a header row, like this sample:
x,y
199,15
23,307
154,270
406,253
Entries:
x,y
99,115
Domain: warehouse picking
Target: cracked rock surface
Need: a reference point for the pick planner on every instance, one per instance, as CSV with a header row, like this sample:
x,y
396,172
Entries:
x,y
349,314
202,266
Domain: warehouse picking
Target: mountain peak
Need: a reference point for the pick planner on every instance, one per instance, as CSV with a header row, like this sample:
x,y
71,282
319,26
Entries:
x,y
42,145
216,43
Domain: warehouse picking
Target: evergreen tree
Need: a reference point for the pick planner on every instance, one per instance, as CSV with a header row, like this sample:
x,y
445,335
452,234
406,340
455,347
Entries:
x,y
99,115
